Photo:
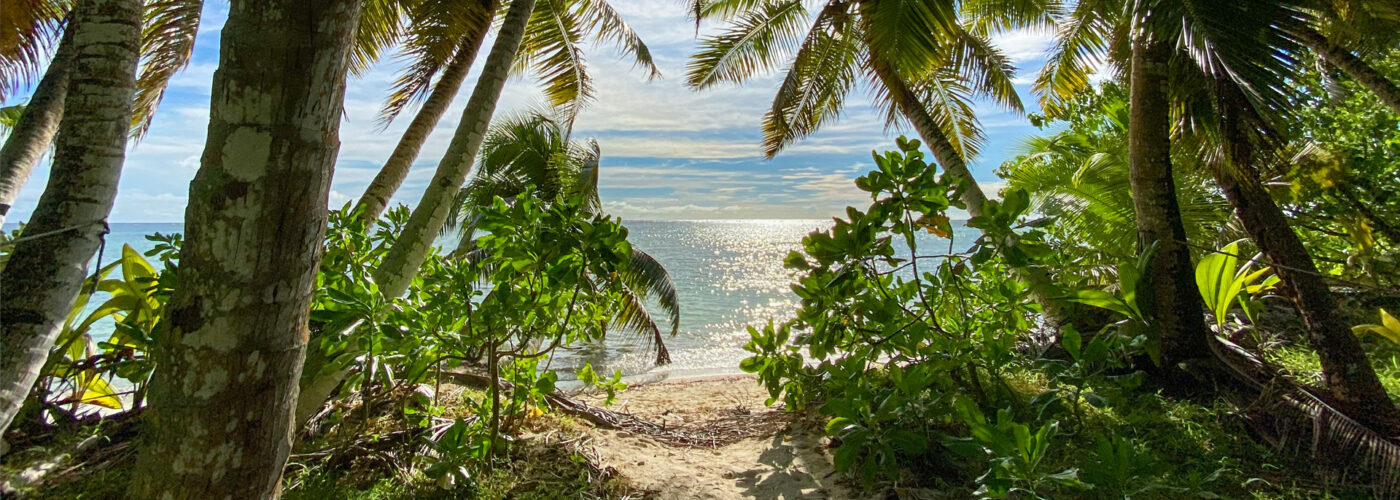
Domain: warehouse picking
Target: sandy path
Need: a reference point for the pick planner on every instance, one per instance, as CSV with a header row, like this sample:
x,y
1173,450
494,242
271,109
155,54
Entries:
x,y
791,462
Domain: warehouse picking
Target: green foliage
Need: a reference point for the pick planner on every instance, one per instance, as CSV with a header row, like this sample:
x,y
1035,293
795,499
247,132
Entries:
x,y
887,336
1389,328
1014,452
1222,282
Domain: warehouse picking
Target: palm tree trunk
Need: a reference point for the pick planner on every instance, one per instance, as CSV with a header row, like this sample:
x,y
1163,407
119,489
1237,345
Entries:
x,y
1170,297
45,274
387,182
1355,67
37,126
1042,289
407,254
1345,369
220,423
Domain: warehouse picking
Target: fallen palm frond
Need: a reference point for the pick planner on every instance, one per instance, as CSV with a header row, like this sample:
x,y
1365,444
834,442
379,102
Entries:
x,y
1294,417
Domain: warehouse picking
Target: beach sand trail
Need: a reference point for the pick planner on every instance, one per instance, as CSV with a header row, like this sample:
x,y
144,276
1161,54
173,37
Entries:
x,y
789,461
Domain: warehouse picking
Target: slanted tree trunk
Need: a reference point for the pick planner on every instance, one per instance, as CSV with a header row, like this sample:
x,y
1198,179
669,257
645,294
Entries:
x,y
221,401
1168,291
395,170
37,126
402,262
45,273
1345,369
1354,67
1042,289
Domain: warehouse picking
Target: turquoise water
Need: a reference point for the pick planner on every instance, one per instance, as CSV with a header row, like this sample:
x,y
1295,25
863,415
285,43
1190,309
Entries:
x,y
728,274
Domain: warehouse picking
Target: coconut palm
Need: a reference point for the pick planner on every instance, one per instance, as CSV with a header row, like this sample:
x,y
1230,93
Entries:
x,y
222,401
923,63
45,271
1350,30
167,40
442,40
1228,103
1080,176
535,149
547,39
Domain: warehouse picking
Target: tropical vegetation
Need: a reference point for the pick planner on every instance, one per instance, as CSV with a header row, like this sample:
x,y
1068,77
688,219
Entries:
x,y
1186,287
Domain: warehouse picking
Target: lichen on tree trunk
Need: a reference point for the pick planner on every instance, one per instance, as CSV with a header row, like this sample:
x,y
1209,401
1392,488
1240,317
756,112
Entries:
x,y
45,274
220,423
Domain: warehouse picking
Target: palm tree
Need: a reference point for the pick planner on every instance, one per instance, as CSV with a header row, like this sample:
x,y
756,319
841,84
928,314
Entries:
x,y
1080,176
167,41
535,149
443,40
1230,102
1350,29
924,64
222,402
552,48
46,270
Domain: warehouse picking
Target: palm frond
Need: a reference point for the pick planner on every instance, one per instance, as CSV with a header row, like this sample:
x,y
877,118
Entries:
x,y
649,280
167,41
29,31
439,33
381,26
755,42
606,25
985,68
949,101
633,317
553,43
817,82
910,34
1081,47
992,16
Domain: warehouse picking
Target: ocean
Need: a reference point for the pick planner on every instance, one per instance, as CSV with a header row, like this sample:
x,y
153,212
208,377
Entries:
x,y
728,274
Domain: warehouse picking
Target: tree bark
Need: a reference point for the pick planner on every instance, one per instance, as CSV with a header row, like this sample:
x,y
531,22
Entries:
x,y
221,401
1345,369
1354,67
399,266
1168,291
45,274
395,170
37,126
1042,289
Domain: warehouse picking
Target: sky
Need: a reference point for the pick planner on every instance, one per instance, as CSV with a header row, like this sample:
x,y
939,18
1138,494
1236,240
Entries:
x,y
668,152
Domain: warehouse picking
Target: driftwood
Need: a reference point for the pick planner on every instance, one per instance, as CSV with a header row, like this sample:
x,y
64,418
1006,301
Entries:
x,y
719,432
1292,416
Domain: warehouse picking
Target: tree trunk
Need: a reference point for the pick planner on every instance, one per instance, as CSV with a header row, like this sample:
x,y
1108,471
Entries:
x,y
1167,293
408,253
220,421
1345,369
37,126
44,274
387,182
1355,67
1042,289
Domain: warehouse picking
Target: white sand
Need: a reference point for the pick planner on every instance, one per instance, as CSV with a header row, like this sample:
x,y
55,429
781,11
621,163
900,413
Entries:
x,y
791,463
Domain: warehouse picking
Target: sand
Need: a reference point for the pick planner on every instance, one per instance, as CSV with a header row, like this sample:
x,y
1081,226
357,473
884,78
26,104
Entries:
x,y
789,460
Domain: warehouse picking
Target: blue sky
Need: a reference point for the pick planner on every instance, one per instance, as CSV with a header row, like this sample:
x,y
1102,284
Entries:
x,y
668,152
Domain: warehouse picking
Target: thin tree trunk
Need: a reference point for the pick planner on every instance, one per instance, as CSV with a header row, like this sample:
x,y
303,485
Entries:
x,y
1355,67
1168,292
407,254
37,126
44,274
220,423
1042,289
1345,369
387,182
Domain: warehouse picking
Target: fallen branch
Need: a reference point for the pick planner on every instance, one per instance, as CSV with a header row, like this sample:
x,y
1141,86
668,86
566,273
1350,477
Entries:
x,y
707,435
